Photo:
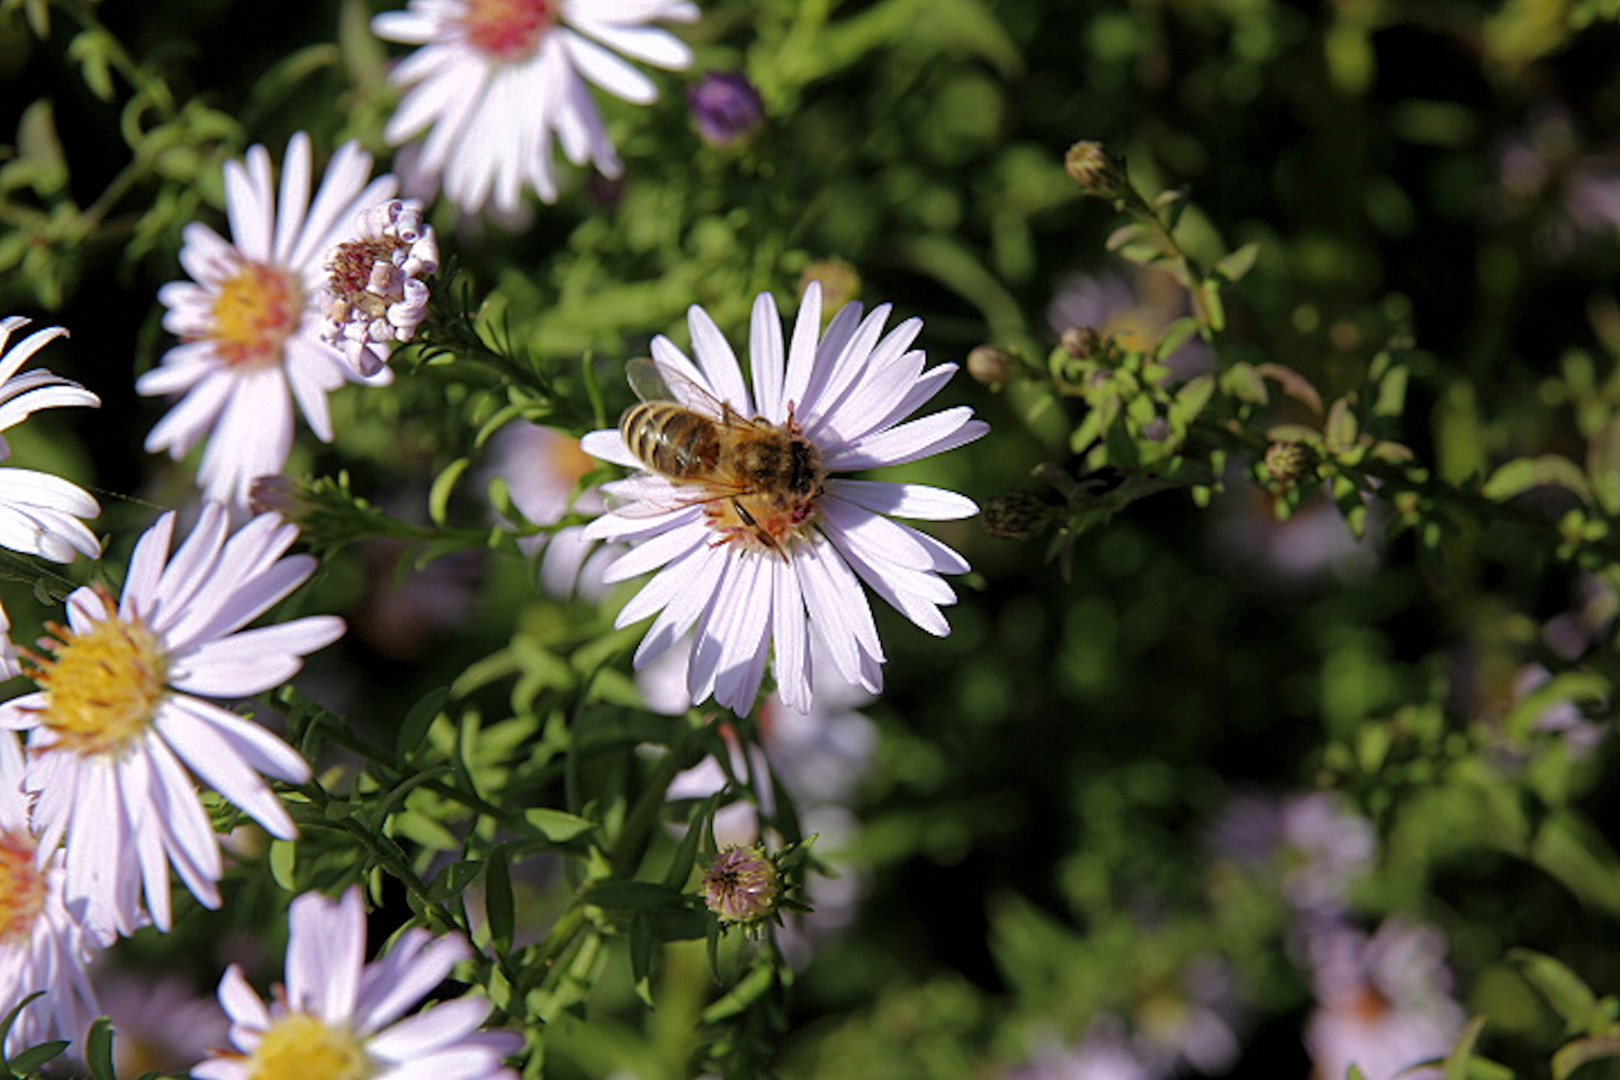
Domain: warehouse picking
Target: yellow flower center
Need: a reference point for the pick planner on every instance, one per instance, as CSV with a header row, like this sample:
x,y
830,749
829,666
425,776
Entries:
x,y
508,30
22,888
257,310
102,687
300,1047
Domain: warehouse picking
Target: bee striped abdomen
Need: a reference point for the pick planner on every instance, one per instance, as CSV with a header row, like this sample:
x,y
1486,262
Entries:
x,y
672,440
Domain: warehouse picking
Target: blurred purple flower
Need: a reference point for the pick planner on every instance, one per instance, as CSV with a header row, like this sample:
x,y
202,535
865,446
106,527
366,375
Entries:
x,y
1383,1002
1316,846
1135,310
726,108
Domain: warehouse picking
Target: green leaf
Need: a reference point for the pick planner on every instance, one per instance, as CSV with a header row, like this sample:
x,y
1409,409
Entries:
x,y
641,958
414,728
98,1051
558,826
1341,428
34,1059
1564,991
1243,382
443,485
283,863
1293,384
499,905
1549,470
1237,264
633,897
1462,1054
744,994
1573,1055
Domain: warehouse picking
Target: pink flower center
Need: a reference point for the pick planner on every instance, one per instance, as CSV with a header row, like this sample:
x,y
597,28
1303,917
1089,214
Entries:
x,y
22,888
508,29
257,310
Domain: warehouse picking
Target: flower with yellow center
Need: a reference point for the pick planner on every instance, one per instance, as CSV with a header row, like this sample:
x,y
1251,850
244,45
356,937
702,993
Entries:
x,y
120,729
249,321
42,947
339,1018
258,308
303,1046
495,81
102,687
846,392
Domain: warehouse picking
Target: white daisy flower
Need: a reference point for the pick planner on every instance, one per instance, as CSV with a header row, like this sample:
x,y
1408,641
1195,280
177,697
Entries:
x,y
39,513
338,1018
495,80
758,545
42,948
374,297
120,714
250,318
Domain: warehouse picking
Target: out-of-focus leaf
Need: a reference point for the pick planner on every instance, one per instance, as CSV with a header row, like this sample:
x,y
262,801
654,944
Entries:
x,y
1564,990
745,993
632,897
1235,265
414,727
499,905
98,1050
1549,470
558,826
1341,429
1573,1055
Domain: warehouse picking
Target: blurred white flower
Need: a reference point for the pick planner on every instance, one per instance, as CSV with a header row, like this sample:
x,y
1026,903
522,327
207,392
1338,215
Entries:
x,y
249,320
160,1022
42,947
542,469
341,1018
1315,844
495,81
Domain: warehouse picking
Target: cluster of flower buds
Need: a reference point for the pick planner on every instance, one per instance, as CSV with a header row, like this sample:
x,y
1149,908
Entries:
x,y
374,298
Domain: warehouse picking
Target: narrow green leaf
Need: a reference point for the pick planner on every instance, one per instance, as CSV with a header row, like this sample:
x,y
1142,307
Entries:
x,y
283,862
1548,470
1236,265
744,994
443,485
1293,384
34,1059
641,959
499,904
414,728
1341,428
558,826
1573,1055
1462,1053
98,1050
633,897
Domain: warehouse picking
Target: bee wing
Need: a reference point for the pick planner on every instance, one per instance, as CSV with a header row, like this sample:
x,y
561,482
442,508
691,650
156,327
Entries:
x,y
653,381
654,496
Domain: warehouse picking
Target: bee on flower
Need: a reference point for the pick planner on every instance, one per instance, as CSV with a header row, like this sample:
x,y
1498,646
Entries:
x,y
758,543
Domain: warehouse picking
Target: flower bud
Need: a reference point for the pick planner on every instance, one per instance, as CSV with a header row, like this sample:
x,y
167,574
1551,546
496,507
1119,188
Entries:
x,y
991,366
1287,463
1084,343
374,297
1097,171
726,108
1014,516
742,885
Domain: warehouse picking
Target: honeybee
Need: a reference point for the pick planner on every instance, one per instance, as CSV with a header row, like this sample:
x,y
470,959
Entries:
x,y
758,480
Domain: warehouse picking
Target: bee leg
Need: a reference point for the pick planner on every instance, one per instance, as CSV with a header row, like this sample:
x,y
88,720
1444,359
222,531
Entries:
x,y
758,530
